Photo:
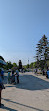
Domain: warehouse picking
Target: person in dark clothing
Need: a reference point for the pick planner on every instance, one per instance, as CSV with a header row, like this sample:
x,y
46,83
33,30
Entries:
x,y
12,72
43,72
13,77
1,87
2,74
17,74
47,73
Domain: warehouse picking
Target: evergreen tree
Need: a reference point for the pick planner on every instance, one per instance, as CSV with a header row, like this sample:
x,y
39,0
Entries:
x,y
42,51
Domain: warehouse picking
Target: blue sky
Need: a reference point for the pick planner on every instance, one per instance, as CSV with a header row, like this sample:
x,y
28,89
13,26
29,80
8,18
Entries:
x,y
22,24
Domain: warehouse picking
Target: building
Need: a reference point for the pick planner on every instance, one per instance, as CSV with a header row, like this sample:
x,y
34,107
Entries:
x,y
2,63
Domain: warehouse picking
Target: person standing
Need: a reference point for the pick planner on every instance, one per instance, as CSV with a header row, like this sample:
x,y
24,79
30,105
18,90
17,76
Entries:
x,y
1,87
2,73
17,74
12,77
47,74
9,76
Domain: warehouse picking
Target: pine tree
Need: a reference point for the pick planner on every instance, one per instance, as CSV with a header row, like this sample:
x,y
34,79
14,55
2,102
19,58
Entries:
x,y
42,51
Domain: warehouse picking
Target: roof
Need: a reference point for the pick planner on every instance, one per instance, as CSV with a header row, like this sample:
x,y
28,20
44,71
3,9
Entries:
x,y
2,62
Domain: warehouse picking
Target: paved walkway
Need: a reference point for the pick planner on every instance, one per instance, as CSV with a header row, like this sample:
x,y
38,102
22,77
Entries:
x,y
31,94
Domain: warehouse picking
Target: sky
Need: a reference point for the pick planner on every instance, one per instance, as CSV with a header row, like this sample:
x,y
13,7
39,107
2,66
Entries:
x,y
22,25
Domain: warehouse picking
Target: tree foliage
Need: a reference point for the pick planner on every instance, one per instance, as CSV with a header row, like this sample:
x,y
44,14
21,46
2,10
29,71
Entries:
x,y
42,52
31,65
9,65
14,64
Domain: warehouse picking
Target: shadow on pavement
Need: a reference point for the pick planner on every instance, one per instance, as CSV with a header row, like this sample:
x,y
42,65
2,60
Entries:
x,y
11,86
7,108
8,100
31,82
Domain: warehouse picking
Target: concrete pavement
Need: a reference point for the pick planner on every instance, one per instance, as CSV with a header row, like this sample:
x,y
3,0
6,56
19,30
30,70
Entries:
x,y
31,94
